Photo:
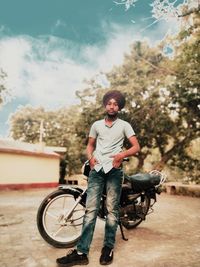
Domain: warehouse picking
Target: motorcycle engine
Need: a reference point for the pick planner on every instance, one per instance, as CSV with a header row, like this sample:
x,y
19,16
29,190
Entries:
x,y
131,212
128,210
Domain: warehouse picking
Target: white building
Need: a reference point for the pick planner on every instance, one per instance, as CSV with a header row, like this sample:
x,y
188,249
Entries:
x,y
24,165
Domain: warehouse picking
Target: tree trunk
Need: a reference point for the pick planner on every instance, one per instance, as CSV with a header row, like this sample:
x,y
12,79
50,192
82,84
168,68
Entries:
x,y
167,156
141,158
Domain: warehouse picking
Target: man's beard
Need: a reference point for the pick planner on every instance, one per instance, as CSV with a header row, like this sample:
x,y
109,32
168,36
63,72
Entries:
x,y
112,116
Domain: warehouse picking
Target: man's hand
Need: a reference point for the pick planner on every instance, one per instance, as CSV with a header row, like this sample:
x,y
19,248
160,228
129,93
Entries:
x,y
90,149
117,160
93,161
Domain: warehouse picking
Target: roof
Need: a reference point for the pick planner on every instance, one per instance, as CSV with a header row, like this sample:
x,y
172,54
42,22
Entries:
x,y
18,147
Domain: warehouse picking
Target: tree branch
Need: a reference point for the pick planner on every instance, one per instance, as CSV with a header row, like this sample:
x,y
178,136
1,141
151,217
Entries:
x,y
167,156
189,12
156,67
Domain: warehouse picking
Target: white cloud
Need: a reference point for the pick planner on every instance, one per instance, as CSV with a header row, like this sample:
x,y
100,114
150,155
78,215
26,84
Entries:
x,y
50,80
47,71
12,52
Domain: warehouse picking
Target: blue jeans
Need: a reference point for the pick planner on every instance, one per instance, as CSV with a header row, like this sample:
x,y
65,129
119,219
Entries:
x,y
96,182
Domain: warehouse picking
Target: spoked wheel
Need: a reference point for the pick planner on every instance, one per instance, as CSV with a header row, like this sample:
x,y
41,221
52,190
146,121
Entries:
x,y
52,225
132,215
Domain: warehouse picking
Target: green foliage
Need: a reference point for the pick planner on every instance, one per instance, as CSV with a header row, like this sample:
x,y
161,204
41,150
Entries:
x,y
162,101
185,98
145,108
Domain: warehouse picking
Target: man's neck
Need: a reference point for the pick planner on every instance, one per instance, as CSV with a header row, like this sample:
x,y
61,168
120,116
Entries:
x,y
110,119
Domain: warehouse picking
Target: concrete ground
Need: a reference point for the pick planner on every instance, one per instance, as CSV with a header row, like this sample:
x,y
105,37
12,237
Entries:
x,y
170,237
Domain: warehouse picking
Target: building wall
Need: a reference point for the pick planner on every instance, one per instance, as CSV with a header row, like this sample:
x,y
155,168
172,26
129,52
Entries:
x,y
28,169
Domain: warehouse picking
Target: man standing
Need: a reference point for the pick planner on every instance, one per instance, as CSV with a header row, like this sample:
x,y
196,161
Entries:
x,y
105,154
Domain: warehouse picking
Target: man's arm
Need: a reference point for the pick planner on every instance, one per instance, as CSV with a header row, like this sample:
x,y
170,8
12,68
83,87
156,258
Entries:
x,y
89,150
135,147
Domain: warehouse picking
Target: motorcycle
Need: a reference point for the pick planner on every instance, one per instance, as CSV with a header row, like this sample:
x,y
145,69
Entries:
x,y
60,215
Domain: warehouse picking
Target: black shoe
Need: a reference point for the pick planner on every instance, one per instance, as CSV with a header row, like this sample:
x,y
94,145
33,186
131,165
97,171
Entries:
x,y
106,256
73,258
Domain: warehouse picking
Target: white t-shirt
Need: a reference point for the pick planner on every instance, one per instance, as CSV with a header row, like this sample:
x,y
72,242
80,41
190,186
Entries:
x,y
109,141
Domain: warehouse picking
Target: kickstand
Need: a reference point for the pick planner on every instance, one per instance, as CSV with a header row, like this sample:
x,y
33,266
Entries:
x,y
122,232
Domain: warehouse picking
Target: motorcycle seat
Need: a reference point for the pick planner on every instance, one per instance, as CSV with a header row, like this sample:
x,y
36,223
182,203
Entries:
x,y
142,181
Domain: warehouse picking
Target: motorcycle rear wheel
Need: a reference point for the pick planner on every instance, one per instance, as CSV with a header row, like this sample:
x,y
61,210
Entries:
x,y
136,213
50,219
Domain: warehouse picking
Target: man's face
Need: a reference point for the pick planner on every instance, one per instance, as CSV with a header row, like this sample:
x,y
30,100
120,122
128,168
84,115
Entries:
x,y
112,107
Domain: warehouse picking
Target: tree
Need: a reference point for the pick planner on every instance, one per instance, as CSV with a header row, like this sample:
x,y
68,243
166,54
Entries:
x,y
165,9
3,90
162,99
184,97
25,124
59,129
140,79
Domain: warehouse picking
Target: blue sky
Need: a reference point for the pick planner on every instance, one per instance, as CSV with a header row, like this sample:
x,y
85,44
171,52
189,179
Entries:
x,y
48,47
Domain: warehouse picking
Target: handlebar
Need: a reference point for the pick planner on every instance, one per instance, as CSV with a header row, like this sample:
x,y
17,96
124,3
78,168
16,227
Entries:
x,y
126,159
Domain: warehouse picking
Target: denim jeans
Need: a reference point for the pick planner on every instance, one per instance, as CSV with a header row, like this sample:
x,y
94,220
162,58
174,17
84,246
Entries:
x,y
96,182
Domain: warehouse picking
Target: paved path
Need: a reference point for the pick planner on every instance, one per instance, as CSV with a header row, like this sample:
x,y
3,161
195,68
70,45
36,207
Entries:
x,y
170,237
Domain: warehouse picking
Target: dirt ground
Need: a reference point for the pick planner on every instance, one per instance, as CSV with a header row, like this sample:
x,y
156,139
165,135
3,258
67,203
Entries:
x,y
170,237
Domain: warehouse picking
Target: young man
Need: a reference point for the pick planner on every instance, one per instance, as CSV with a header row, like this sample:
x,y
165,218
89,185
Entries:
x,y
105,154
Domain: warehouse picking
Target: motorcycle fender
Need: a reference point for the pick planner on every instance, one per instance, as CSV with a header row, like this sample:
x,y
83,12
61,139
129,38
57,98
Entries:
x,y
74,191
152,194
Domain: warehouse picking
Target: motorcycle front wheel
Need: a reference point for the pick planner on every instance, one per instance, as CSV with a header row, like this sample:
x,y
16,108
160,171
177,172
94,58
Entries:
x,y
52,223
